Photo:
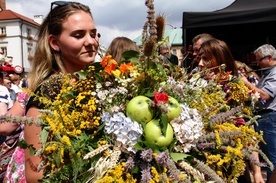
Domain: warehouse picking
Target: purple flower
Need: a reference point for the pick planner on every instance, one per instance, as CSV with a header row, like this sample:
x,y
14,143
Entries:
x,y
129,164
225,88
146,176
146,155
162,158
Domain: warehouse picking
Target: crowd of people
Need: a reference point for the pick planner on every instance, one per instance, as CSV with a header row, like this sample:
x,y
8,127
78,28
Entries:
x,y
68,41
211,53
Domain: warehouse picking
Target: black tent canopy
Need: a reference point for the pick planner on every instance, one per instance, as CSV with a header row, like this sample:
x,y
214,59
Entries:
x,y
244,25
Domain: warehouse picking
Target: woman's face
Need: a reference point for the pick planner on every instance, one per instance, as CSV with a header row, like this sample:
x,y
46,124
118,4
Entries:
x,y
206,63
78,41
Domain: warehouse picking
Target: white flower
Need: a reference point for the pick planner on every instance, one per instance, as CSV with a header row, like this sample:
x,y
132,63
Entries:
x,y
187,128
255,97
124,131
115,109
99,85
197,81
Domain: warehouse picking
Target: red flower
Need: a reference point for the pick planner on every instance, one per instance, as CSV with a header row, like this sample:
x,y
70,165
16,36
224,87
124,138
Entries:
x,y
160,97
239,121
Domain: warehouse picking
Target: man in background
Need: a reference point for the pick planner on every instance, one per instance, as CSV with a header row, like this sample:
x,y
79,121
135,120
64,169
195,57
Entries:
x,y
165,51
197,42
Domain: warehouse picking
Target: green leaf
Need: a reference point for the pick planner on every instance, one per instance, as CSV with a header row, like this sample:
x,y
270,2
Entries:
x,y
138,146
43,137
69,95
57,159
178,156
129,54
149,94
135,170
97,66
161,69
81,74
23,144
163,123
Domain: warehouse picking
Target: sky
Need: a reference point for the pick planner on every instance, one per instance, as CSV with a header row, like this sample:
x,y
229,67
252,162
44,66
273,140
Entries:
x,y
123,17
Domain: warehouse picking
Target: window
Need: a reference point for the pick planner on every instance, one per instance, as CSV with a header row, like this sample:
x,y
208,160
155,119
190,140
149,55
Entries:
x,y
3,51
174,51
2,30
29,32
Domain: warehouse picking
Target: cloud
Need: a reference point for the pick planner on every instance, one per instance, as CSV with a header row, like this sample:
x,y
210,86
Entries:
x,y
123,17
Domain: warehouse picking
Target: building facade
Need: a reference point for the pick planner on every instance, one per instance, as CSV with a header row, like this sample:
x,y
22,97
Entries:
x,y
17,40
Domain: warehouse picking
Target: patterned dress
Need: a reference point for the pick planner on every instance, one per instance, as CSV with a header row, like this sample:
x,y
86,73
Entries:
x,y
16,168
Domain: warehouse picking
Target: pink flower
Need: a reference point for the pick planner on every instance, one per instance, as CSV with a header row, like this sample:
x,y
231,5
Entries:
x,y
19,156
239,121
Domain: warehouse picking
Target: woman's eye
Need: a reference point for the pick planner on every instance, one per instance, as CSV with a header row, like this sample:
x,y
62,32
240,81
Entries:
x,y
78,35
203,58
93,35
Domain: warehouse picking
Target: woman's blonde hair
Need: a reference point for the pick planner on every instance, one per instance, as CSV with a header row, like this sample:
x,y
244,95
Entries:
x,y
46,60
248,70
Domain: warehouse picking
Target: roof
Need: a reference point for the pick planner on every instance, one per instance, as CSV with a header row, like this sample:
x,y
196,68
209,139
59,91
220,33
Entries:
x,y
242,5
243,25
239,12
175,37
11,15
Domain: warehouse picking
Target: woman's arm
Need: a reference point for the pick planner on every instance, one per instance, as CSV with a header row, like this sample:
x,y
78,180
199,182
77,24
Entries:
x,y
249,85
32,133
257,172
3,108
8,128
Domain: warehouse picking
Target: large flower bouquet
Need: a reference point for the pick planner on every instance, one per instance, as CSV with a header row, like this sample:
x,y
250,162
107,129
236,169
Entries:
x,y
141,120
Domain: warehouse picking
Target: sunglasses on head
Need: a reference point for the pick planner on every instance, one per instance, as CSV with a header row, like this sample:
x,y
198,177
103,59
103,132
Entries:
x,y
58,3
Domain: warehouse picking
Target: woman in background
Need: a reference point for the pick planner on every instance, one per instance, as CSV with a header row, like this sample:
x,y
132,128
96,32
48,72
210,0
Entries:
x,y
216,57
119,45
215,54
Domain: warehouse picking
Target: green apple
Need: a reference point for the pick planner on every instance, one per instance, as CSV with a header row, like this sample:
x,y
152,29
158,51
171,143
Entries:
x,y
153,134
138,109
174,109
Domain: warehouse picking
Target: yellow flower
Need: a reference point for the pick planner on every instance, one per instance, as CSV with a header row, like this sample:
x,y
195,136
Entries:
x,y
66,140
116,73
155,174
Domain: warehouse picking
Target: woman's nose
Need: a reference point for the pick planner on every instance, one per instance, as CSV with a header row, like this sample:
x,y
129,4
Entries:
x,y
201,62
89,40
201,65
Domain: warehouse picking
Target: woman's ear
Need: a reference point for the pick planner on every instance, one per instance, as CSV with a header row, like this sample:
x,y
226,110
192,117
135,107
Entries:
x,y
53,43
